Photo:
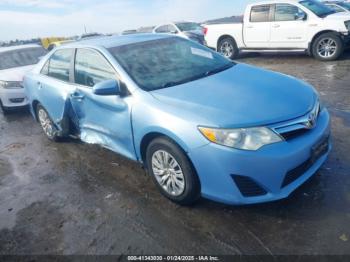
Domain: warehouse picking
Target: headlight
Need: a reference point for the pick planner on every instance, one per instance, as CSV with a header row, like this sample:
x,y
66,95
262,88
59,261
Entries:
x,y
242,138
347,25
11,84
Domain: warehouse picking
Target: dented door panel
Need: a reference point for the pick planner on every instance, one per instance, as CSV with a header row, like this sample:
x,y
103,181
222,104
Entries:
x,y
104,120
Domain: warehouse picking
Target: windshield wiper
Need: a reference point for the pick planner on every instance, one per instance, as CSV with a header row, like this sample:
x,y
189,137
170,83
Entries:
x,y
218,70
207,73
170,84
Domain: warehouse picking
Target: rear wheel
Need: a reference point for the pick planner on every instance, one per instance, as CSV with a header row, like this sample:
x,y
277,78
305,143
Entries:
x,y
172,171
327,47
46,123
228,48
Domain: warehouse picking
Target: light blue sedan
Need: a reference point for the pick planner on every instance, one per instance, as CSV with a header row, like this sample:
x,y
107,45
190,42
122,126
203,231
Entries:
x,y
200,124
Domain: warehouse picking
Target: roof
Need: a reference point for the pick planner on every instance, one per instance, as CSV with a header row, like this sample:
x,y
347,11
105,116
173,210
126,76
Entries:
x,y
17,47
114,41
267,2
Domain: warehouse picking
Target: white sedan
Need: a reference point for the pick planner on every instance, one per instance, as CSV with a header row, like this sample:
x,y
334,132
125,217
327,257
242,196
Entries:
x,y
15,61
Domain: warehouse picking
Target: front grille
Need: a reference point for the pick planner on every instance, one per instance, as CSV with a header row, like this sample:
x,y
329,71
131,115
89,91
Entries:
x,y
294,134
299,126
16,100
297,172
248,187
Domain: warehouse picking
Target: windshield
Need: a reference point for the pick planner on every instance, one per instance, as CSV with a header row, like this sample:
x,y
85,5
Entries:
x,y
319,9
168,62
345,5
184,27
21,57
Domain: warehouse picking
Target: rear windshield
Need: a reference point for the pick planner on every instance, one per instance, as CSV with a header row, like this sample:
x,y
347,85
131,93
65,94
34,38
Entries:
x,y
184,27
168,62
21,57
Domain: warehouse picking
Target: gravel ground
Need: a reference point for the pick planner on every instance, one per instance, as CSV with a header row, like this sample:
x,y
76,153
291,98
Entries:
x,y
74,198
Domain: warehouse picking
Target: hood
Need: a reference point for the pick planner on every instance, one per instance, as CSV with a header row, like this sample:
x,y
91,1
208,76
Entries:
x,y
243,96
343,16
15,74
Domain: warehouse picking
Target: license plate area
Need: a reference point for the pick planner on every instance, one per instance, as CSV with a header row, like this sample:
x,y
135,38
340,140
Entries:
x,y
319,149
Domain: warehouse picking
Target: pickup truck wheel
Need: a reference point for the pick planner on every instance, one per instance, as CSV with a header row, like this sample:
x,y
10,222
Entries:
x,y
172,171
327,47
46,123
228,48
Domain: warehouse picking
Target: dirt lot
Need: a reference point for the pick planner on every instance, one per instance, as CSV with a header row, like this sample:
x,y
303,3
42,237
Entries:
x,y
73,198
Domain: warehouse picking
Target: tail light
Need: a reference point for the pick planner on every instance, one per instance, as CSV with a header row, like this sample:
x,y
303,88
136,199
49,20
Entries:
x,y
205,30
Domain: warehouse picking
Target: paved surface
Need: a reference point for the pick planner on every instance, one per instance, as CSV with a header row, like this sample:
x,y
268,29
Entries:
x,y
73,198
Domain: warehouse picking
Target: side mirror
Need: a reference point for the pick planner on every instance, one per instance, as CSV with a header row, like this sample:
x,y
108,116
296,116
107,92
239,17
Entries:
x,y
300,16
107,88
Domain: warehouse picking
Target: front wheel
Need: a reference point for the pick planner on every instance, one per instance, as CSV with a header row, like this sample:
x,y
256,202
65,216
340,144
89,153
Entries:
x,y
172,171
4,109
327,47
228,48
46,123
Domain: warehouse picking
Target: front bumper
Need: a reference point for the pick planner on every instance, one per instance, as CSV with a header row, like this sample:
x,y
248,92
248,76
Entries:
x,y
13,97
346,39
268,167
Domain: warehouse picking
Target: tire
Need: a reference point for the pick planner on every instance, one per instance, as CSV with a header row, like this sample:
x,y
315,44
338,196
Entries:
x,y
228,48
180,181
4,109
327,47
46,123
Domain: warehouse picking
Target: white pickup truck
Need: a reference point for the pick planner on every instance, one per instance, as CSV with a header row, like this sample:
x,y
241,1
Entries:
x,y
283,25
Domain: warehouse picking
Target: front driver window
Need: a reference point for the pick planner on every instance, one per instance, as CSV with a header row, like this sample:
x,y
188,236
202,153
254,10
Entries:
x,y
92,68
286,12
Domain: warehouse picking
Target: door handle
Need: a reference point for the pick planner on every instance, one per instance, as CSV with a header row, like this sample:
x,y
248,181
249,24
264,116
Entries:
x,y
250,26
39,85
276,26
77,96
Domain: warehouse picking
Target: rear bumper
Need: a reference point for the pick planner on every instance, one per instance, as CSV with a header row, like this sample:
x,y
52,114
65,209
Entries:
x,y
13,98
269,168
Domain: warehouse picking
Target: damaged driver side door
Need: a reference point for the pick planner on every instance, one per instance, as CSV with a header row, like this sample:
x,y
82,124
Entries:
x,y
103,119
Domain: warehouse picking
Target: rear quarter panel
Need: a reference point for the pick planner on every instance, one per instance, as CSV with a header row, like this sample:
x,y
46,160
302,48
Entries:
x,y
219,30
29,83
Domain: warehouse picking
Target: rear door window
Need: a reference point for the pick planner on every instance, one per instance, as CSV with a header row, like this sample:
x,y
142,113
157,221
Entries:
x,y
260,13
163,29
58,66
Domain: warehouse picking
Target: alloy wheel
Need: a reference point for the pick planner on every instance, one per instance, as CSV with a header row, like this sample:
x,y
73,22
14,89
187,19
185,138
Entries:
x,y
46,123
327,47
168,173
226,49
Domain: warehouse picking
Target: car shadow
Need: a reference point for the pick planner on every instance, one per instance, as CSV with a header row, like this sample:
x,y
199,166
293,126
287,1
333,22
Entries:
x,y
284,55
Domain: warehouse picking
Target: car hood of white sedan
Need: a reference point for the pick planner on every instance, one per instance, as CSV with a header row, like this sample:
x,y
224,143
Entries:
x,y
339,16
14,74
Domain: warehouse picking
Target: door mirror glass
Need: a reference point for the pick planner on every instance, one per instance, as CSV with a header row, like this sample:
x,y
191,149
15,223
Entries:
x,y
107,88
300,16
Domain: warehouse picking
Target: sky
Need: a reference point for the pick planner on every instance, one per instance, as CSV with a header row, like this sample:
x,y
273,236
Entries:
x,y
25,19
